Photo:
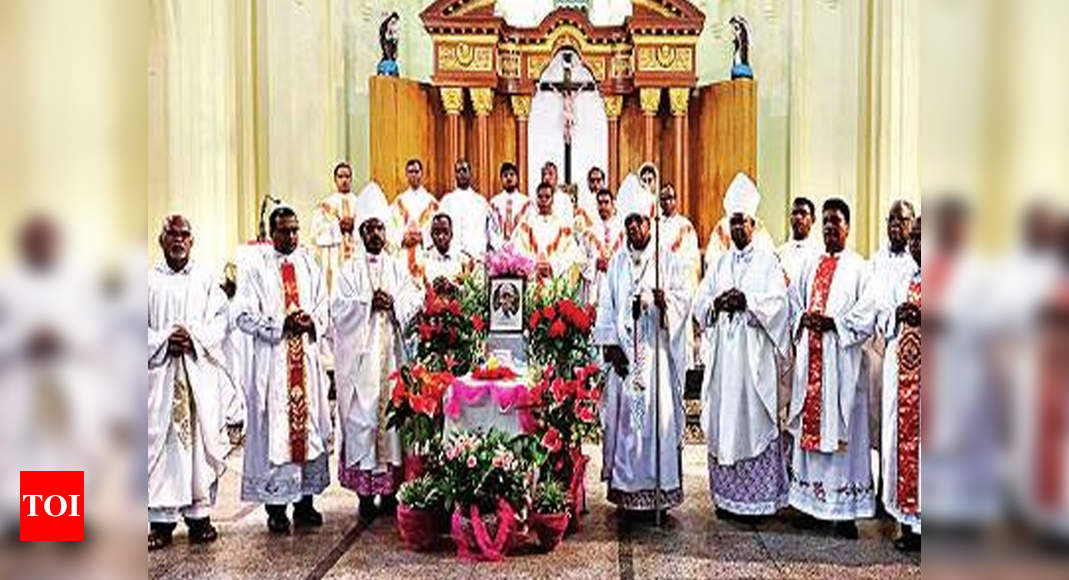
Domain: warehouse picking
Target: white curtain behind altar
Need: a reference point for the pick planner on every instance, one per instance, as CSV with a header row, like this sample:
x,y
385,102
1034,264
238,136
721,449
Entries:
x,y
545,137
530,13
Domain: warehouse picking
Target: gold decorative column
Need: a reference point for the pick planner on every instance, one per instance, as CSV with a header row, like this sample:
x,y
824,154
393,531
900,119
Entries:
x,y
482,102
650,99
521,108
453,103
677,99
614,105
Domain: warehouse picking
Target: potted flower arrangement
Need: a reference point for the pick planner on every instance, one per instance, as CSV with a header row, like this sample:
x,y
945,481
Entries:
x,y
447,337
486,482
419,510
415,410
550,516
566,410
559,333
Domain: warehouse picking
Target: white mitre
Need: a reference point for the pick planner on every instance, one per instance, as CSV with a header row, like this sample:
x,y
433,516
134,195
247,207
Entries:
x,y
634,199
371,203
741,197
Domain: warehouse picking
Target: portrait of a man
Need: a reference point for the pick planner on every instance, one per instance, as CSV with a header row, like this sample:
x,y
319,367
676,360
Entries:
x,y
506,305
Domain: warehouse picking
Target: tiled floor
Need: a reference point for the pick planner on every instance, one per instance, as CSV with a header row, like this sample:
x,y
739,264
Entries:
x,y
692,544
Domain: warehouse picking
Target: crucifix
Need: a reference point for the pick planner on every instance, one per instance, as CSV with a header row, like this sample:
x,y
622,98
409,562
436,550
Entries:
x,y
568,89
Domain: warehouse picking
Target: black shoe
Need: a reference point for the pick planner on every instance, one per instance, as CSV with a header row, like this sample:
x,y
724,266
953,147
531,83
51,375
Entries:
x,y
160,535
388,505
277,521
846,530
367,510
201,531
305,515
909,541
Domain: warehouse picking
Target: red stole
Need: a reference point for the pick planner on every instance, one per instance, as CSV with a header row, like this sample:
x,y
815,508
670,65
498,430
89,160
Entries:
x,y
811,408
1049,487
909,411
296,389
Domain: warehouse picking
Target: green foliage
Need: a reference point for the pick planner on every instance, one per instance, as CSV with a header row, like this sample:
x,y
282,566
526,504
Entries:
x,y
550,497
478,468
423,493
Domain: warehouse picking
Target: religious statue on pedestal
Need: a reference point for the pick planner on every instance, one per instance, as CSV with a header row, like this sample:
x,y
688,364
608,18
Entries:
x,y
388,37
741,62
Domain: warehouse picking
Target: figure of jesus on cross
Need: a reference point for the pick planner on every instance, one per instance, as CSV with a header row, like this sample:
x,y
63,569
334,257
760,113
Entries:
x,y
568,88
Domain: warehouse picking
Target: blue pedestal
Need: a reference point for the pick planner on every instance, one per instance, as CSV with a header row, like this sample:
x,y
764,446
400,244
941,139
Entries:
x,y
741,71
388,68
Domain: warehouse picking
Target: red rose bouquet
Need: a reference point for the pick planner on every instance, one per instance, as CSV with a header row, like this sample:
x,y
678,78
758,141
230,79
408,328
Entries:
x,y
447,337
559,335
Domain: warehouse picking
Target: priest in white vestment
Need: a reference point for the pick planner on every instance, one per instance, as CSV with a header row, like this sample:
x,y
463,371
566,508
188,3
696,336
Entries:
x,y
678,235
899,320
892,264
333,222
643,397
470,212
373,301
963,463
547,239
186,441
601,240
832,315
563,206
507,209
742,308
443,259
408,230
586,206
803,243
680,239
284,308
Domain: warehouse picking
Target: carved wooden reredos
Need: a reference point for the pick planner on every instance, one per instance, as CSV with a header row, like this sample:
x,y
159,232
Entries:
x,y
654,47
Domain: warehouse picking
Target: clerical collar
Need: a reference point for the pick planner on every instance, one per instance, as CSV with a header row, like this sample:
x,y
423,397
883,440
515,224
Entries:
x,y
280,256
744,253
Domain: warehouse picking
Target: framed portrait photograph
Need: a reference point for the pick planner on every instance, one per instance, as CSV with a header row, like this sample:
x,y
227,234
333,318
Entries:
x,y
506,304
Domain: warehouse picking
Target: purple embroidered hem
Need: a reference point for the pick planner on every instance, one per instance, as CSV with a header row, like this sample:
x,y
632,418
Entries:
x,y
363,482
645,500
756,486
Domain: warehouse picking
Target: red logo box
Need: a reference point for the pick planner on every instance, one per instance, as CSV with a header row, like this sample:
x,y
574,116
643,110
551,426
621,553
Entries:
x,y
51,506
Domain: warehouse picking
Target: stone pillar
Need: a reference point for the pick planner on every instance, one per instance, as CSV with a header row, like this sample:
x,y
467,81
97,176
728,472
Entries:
x,y
521,108
614,105
453,103
482,102
650,99
677,99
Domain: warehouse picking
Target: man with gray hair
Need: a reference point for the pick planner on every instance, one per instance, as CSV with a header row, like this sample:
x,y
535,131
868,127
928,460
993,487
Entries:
x,y
186,445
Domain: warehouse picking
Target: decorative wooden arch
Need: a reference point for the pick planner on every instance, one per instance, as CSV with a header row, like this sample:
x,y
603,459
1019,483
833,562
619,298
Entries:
x,y
699,136
653,49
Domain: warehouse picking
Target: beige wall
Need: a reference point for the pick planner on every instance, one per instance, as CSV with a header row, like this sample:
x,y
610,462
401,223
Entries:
x,y
256,96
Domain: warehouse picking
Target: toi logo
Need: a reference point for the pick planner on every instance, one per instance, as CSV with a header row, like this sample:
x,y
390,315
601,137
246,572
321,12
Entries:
x,y
51,506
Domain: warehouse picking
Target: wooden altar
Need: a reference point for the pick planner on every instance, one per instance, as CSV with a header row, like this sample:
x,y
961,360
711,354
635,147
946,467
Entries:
x,y
485,72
